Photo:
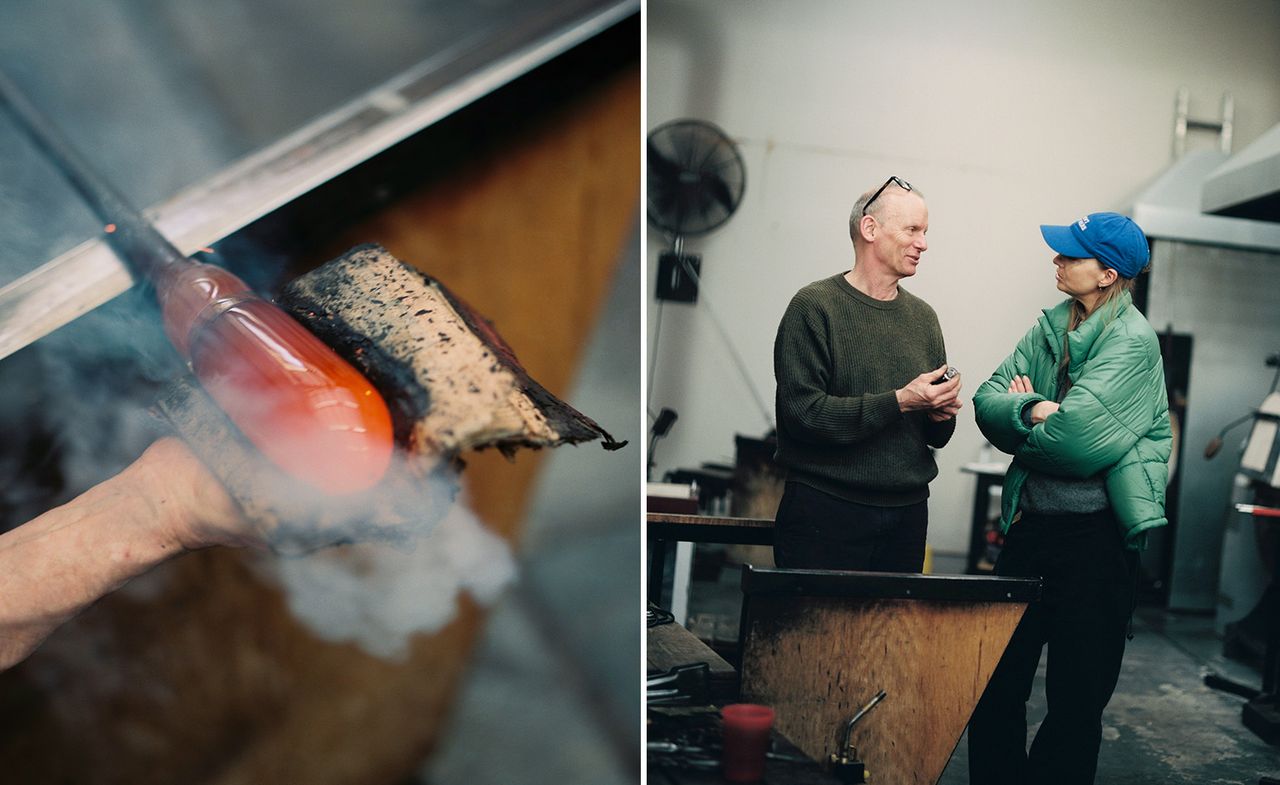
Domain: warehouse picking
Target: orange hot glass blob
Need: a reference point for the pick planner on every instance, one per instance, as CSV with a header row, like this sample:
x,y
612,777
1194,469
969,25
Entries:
x,y
302,405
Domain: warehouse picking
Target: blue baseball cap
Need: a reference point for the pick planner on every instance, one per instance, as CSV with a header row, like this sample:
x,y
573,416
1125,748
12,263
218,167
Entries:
x,y
1111,238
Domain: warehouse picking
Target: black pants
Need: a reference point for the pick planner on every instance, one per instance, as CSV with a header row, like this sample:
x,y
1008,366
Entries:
x,y
1083,615
817,531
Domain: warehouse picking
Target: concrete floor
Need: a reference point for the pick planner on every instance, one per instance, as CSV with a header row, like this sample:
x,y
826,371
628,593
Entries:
x,y
1163,725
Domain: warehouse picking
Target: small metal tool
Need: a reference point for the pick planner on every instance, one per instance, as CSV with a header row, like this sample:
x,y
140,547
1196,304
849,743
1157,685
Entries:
x,y
845,765
682,685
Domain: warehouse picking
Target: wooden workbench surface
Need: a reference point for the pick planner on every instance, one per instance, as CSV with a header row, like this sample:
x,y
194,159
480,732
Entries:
x,y
707,520
670,645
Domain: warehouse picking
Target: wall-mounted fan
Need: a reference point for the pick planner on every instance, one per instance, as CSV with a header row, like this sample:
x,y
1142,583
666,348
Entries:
x,y
696,180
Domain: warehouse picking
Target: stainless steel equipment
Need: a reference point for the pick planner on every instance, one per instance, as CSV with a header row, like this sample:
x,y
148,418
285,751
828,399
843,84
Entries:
x,y
1214,278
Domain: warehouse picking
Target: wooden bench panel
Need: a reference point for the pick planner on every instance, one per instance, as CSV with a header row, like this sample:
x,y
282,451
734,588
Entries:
x,y
817,645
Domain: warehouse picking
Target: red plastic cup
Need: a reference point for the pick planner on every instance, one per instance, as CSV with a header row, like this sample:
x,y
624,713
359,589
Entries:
x,y
746,740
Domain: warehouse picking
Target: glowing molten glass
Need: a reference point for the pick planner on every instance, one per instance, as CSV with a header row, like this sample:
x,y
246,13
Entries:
x,y
301,404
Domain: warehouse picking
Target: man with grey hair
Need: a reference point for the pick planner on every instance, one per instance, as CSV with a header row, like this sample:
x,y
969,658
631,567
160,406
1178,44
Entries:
x,y
864,392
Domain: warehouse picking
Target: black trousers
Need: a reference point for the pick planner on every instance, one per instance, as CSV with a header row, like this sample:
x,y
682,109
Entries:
x,y
817,531
1083,616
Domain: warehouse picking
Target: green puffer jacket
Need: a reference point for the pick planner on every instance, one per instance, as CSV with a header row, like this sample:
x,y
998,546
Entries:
x,y
1114,419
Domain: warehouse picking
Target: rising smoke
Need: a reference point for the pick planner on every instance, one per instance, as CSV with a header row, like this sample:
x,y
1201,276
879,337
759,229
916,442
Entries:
x,y
379,596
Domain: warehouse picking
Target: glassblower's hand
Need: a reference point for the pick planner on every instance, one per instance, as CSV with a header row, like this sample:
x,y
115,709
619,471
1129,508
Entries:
x,y
51,568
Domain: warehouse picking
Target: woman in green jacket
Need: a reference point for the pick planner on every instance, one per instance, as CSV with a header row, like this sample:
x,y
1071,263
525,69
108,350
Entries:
x,y
1081,407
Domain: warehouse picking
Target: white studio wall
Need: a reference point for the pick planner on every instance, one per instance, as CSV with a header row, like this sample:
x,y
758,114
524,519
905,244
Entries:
x,y
1004,114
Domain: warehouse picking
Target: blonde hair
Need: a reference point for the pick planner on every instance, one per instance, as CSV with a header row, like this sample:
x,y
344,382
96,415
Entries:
x,y
1077,314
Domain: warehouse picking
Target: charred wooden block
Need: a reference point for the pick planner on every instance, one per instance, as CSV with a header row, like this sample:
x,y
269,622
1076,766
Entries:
x,y
451,382
817,645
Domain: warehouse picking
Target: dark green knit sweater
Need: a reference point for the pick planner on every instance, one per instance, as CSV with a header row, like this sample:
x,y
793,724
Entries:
x,y
838,358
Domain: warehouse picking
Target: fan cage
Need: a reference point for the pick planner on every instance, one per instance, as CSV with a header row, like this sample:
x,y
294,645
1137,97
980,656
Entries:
x,y
696,177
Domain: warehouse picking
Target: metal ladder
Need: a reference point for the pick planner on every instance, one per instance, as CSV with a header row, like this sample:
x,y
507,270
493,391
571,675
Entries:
x,y
1182,123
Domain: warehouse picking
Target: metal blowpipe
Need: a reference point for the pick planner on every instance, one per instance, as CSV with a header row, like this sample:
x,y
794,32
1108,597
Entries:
x,y
304,407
